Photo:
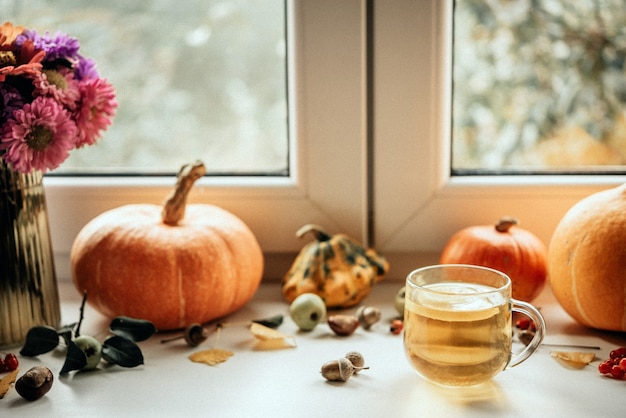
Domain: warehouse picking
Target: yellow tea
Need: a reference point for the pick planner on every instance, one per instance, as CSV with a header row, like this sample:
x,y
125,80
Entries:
x,y
458,336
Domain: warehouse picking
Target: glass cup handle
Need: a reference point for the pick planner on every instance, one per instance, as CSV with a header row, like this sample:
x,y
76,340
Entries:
x,y
530,311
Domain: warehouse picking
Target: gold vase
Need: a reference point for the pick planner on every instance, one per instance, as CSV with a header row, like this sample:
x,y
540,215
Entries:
x,y
28,285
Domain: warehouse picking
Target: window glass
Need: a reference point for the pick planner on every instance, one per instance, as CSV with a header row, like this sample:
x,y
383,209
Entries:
x,y
539,86
195,79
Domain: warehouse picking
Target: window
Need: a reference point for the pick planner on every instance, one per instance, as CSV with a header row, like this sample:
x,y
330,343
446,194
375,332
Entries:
x,y
205,75
418,204
326,181
539,86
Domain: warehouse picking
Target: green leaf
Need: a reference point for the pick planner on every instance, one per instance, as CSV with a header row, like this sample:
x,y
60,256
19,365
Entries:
x,y
132,329
66,332
75,358
39,340
271,322
121,351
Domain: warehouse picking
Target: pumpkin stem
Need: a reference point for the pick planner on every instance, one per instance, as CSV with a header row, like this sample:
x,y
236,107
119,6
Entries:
x,y
320,233
505,223
174,206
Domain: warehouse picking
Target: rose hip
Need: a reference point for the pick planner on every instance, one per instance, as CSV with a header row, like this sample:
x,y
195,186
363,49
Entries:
x,y
618,353
396,326
605,367
10,362
522,323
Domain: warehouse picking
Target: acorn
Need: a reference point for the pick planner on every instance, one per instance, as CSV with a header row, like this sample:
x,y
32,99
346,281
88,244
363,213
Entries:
x,y
342,369
195,334
368,316
356,359
338,370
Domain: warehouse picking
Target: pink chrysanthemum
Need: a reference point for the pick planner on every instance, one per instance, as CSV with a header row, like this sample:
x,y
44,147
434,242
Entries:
x,y
96,110
38,137
58,84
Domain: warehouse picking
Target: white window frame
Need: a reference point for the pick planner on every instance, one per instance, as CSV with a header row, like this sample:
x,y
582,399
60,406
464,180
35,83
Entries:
x,y
417,204
327,183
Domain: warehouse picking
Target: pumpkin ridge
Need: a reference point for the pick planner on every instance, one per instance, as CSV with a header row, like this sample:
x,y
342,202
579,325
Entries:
x,y
583,312
579,308
234,296
181,298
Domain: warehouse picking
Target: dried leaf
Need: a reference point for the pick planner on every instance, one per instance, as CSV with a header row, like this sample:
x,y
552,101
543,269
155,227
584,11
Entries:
x,y
271,338
264,333
212,357
574,359
6,382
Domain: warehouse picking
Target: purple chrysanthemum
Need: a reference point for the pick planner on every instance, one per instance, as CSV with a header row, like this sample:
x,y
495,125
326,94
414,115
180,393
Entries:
x,y
38,137
57,46
86,68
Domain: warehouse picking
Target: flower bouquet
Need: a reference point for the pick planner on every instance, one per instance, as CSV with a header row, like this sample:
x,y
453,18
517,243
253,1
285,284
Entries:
x,y
53,99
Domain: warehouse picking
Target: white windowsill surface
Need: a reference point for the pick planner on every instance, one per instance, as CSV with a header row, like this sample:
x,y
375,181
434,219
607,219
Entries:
x,y
287,382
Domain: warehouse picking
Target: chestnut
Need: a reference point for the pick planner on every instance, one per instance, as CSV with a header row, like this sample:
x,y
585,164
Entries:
x,y
35,383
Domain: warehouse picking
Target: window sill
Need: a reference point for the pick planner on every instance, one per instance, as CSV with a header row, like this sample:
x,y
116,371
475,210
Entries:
x,y
287,382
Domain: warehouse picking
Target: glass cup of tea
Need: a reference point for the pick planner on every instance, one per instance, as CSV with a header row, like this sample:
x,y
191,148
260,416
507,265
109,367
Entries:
x,y
457,324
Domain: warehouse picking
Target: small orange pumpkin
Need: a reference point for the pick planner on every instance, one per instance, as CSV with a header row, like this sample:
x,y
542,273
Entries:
x,y
505,247
172,265
587,260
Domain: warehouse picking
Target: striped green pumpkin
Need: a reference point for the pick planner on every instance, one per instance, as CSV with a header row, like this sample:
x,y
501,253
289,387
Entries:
x,y
335,267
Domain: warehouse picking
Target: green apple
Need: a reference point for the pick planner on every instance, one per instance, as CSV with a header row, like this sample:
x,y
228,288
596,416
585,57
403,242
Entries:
x,y
399,301
307,310
92,349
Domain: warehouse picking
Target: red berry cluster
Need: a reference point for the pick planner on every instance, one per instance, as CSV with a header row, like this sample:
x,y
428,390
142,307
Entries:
x,y
615,365
8,362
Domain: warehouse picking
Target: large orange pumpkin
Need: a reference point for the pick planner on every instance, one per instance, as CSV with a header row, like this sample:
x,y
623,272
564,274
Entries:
x,y
587,260
505,247
172,265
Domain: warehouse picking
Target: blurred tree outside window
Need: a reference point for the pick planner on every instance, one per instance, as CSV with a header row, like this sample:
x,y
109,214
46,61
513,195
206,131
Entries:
x,y
195,79
539,86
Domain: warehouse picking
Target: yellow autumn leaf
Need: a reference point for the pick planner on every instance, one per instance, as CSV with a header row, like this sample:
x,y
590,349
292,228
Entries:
x,y
264,333
270,339
212,357
573,359
6,382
